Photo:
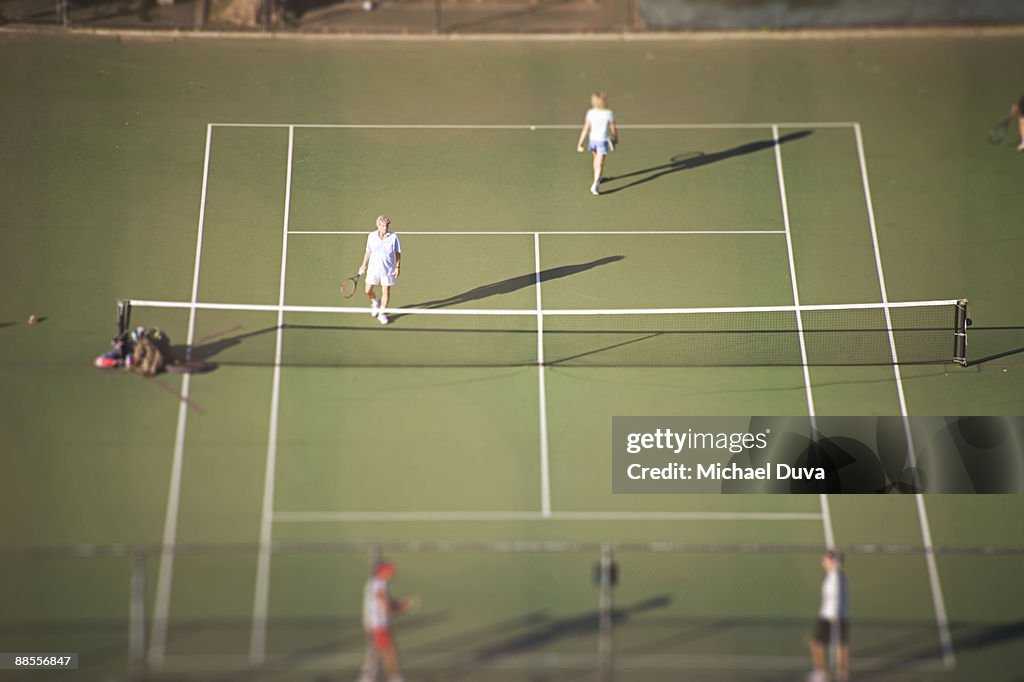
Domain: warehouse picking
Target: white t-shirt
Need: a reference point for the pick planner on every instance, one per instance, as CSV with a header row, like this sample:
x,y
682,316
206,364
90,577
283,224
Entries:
x,y
599,120
833,597
375,614
382,252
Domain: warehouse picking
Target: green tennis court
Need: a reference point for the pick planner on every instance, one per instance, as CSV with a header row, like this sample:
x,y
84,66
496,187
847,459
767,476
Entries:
x,y
226,187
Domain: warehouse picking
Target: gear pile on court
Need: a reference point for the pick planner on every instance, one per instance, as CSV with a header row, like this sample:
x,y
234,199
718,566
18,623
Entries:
x,y
143,351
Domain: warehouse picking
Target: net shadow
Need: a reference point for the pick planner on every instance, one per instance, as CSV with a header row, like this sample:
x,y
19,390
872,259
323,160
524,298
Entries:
x,y
498,341
1001,354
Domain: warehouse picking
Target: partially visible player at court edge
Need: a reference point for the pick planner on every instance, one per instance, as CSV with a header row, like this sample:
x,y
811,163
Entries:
x,y
600,123
1018,110
378,605
382,263
833,620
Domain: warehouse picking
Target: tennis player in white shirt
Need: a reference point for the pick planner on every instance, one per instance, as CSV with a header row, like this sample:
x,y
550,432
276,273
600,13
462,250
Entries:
x,y
382,264
378,606
600,124
833,621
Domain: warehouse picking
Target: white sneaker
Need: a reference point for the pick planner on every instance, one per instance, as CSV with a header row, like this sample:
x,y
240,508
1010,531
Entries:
x,y
1020,147
382,318
374,306
593,189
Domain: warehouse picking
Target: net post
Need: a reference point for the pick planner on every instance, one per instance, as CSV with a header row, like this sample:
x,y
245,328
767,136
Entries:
x,y
137,616
606,570
124,313
960,323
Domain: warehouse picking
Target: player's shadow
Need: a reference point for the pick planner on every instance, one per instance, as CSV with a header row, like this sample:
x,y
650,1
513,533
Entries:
x,y
512,284
545,632
696,161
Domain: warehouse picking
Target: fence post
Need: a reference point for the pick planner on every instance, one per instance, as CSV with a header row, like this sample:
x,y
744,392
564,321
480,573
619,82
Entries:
x,y
437,16
137,616
605,611
64,13
200,14
266,14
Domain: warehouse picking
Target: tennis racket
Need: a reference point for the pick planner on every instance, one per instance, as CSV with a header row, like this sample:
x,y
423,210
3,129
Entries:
x,y
190,367
348,286
999,131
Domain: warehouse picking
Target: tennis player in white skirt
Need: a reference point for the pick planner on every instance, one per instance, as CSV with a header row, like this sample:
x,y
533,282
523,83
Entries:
x,y
600,124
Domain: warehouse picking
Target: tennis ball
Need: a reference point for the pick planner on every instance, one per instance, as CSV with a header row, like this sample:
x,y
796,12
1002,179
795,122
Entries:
x,y
32,319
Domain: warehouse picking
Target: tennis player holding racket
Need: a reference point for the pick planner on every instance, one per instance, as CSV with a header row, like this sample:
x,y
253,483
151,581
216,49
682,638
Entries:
x,y
382,264
378,607
600,123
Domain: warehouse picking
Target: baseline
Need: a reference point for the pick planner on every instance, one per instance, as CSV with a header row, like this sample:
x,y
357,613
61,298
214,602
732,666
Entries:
x,y
458,233
543,126
489,516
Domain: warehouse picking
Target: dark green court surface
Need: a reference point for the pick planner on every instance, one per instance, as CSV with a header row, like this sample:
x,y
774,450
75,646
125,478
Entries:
x,y
749,173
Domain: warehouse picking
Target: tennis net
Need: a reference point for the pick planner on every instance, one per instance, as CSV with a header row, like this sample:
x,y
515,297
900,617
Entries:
x,y
918,332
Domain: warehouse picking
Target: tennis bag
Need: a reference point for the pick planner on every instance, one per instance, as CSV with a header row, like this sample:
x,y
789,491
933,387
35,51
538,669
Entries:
x,y
152,353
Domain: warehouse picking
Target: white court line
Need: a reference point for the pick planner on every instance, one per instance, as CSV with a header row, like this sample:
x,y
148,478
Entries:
x,y
261,597
456,233
165,573
826,521
938,602
545,477
826,514
542,126
792,272
490,516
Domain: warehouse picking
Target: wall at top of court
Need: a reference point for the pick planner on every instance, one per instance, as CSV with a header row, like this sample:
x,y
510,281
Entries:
x,y
785,14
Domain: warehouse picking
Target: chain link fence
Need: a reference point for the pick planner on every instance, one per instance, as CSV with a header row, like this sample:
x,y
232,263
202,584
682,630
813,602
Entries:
x,y
490,610
415,17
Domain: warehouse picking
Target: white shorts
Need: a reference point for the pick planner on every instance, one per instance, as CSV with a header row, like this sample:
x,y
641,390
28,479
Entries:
x,y
383,278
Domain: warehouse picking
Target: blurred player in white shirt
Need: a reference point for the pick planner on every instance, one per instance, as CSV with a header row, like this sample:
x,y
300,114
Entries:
x,y
378,605
382,263
600,124
833,622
